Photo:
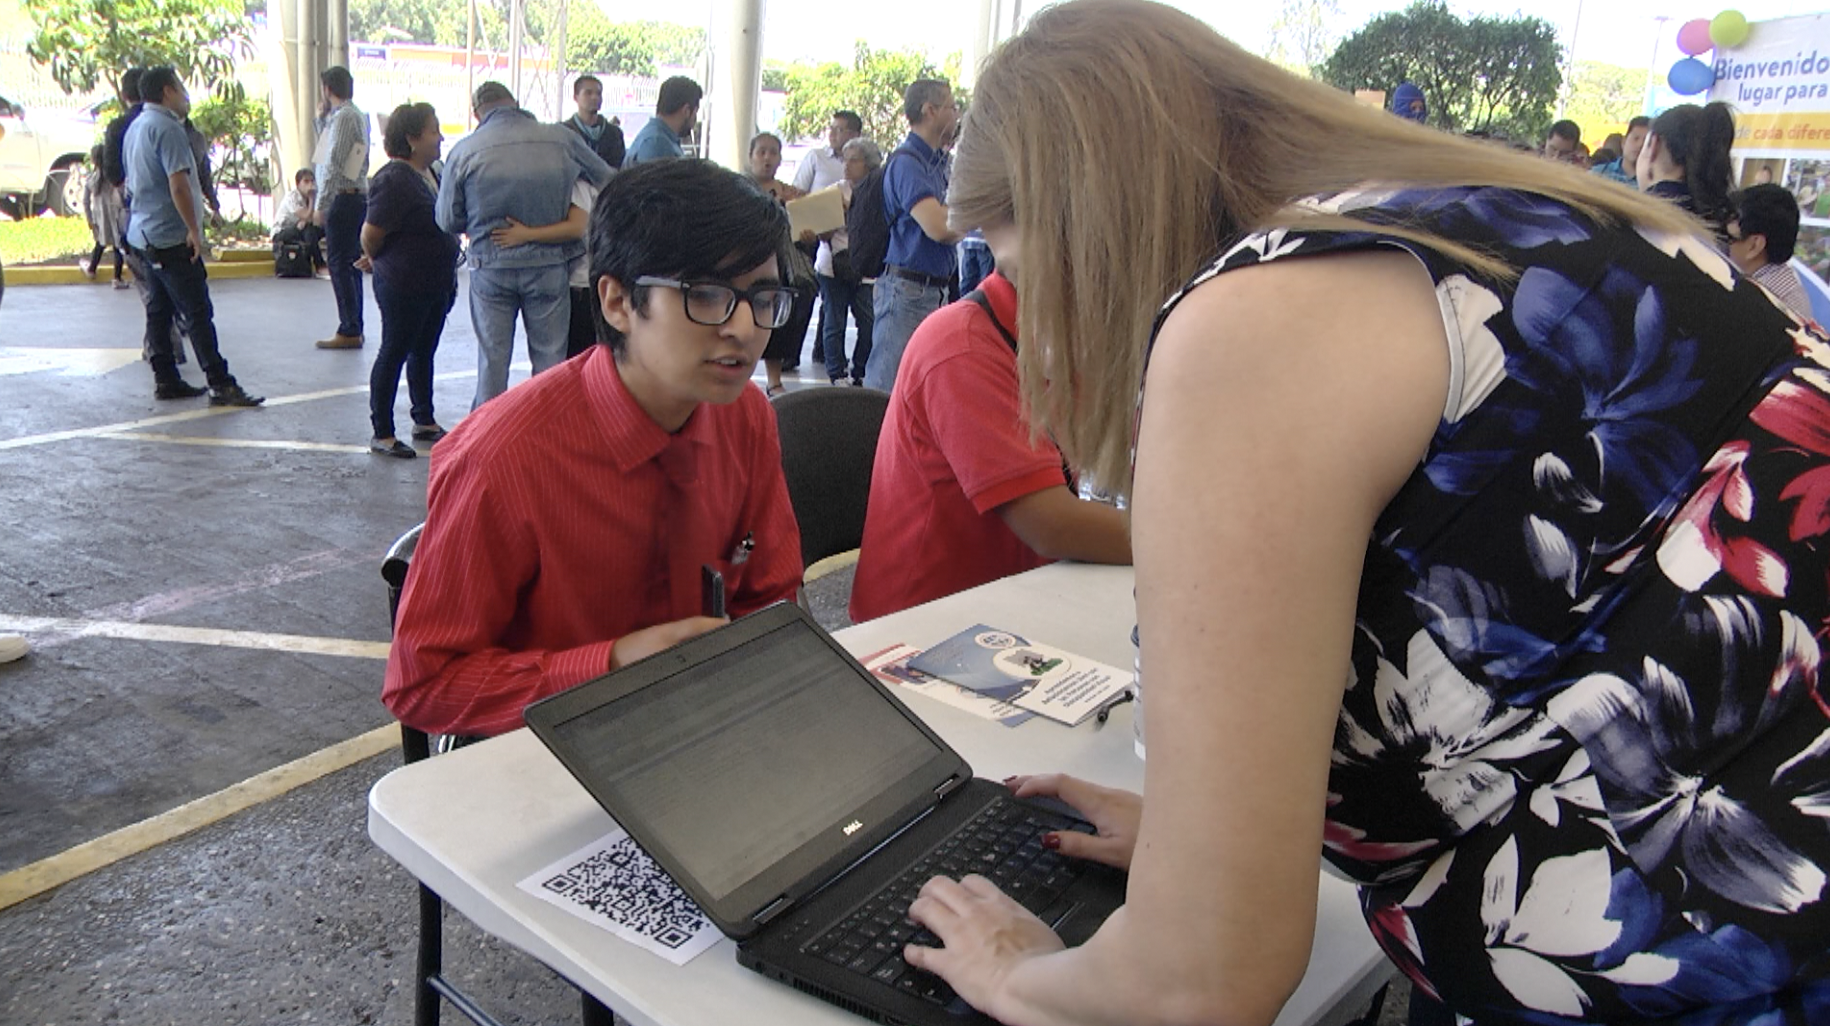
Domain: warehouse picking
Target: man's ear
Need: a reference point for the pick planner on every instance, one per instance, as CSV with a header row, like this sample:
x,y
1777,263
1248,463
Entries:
x,y
1758,244
618,308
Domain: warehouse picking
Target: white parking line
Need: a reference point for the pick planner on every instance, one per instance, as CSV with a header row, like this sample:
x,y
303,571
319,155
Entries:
x,y
233,443
62,629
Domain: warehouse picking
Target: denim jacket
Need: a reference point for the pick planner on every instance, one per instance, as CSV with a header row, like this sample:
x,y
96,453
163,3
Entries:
x,y
515,166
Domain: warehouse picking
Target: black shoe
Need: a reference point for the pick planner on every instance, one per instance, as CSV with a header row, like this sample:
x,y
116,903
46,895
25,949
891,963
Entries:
x,y
429,434
179,389
857,382
235,395
397,449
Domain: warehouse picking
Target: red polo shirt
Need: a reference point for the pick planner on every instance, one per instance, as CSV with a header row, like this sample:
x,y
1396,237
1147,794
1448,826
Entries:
x,y
954,448
560,517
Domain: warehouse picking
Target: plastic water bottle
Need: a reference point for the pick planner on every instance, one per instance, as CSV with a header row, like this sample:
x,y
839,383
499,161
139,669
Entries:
x,y
1137,694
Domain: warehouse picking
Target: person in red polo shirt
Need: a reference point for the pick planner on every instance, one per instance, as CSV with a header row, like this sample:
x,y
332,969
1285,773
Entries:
x,y
959,493
567,520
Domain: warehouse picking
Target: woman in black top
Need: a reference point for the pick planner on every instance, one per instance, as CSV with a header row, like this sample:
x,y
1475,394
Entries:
x,y
1685,160
415,268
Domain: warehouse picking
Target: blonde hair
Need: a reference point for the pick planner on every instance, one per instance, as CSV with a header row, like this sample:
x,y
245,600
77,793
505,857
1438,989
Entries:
x,y
1209,141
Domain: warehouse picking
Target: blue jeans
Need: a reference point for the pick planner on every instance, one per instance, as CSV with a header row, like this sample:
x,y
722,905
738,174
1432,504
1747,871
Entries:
x,y
901,305
838,295
975,265
342,248
543,298
411,323
178,289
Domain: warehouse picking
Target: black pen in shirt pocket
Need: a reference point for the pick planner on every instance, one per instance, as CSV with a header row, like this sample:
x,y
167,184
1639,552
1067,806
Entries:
x,y
711,592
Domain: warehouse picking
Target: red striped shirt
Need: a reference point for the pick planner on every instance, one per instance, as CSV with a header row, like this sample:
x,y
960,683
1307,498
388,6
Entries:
x,y
561,517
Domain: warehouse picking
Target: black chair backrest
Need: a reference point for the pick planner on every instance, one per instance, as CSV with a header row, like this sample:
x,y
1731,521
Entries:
x,y
829,441
414,743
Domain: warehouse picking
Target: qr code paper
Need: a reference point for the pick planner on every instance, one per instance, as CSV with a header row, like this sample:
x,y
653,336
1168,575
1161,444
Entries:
x,y
612,882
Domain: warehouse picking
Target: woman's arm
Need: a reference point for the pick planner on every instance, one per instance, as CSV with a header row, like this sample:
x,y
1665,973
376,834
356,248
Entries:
x,y
517,234
1287,404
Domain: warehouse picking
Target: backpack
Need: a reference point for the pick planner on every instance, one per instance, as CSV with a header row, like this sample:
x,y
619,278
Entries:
x,y
290,260
867,227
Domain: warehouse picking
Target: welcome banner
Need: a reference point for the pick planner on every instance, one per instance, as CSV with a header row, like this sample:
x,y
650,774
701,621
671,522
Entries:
x,y
1778,81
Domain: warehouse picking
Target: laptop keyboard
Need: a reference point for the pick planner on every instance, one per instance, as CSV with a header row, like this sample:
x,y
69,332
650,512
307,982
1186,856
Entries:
x,y
1002,843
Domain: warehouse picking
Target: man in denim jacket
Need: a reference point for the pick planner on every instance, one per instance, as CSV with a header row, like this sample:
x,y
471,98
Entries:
x,y
515,170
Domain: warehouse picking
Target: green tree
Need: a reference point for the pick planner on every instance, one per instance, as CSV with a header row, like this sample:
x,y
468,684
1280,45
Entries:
x,y
1604,97
1303,35
399,21
84,42
1484,74
872,85
594,43
243,128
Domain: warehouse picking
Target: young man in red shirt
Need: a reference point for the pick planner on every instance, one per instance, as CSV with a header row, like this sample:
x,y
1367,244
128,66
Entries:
x,y
959,494
568,519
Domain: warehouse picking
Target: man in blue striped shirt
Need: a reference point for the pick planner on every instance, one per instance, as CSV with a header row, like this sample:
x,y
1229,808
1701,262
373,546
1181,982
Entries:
x,y
343,199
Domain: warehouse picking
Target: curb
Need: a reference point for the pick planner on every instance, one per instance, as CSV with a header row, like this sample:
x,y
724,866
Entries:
x,y
229,265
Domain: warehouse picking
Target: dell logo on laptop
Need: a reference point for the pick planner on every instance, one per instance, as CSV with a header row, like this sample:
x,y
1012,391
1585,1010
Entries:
x,y
853,827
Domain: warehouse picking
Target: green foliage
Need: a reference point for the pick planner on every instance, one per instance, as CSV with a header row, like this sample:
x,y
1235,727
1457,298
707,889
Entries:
x,y
88,42
1484,74
872,85
595,43
243,127
1604,97
402,21
774,77
43,240
1303,35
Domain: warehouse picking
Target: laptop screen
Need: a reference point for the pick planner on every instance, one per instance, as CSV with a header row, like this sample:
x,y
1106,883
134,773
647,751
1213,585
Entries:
x,y
733,763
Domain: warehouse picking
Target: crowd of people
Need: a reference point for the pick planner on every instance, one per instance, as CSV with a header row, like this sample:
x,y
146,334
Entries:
x,y
1476,500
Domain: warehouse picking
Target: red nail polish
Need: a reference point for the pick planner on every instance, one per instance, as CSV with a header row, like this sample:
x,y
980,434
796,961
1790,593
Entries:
x,y
1051,841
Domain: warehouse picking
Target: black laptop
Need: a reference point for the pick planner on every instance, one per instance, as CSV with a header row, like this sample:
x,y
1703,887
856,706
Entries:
x,y
803,806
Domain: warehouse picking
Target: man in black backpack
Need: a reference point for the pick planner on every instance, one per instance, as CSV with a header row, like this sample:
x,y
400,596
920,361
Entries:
x,y
919,264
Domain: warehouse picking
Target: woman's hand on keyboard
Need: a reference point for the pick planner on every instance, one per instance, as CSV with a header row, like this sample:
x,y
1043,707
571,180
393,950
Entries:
x,y
986,935
1114,813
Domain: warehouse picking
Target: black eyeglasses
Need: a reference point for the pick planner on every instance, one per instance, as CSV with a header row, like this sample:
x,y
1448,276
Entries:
x,y
712,304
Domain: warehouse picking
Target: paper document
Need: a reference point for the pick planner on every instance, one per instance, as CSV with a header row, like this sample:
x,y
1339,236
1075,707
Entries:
x,y
612,882
817,212
892,667
1010,668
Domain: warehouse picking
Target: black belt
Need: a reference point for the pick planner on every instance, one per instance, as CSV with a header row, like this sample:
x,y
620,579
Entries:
x,y
933,281
347,192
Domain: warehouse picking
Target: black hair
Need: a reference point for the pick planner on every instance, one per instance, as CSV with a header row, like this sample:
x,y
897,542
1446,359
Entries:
x,y
760,136
95,154
688,219
1698,140
579,83
1639,122
678,93
130,84
338,80
156,81
489,94
1567,129
407,121
1771,211
303,173
851,119
919,94
1605,155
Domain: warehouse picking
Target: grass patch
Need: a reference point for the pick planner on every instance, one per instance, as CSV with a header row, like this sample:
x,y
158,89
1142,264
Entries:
x,y
42,240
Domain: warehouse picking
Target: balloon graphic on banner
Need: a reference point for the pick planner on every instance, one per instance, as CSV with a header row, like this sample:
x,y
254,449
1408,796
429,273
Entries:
x,y
1693,38
1728,29
1690,76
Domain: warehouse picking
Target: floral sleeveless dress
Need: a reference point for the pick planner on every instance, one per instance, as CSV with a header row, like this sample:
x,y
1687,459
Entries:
x,y
1582,767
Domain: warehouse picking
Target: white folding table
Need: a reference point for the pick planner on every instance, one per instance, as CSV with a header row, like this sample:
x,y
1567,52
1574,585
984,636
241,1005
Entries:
x,y
473,823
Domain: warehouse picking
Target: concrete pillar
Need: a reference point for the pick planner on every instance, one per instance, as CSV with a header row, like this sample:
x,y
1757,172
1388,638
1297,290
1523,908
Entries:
x,y
517,19
294,85
336,35
980,45
736,82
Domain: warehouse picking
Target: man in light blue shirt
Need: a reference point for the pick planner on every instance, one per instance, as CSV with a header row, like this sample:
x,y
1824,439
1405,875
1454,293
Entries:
x,y
514,169
1624,169
919,267
165,231
675,111
343,190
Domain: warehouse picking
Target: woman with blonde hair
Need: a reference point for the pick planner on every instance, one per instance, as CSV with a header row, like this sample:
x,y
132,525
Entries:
x,y
1480,515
